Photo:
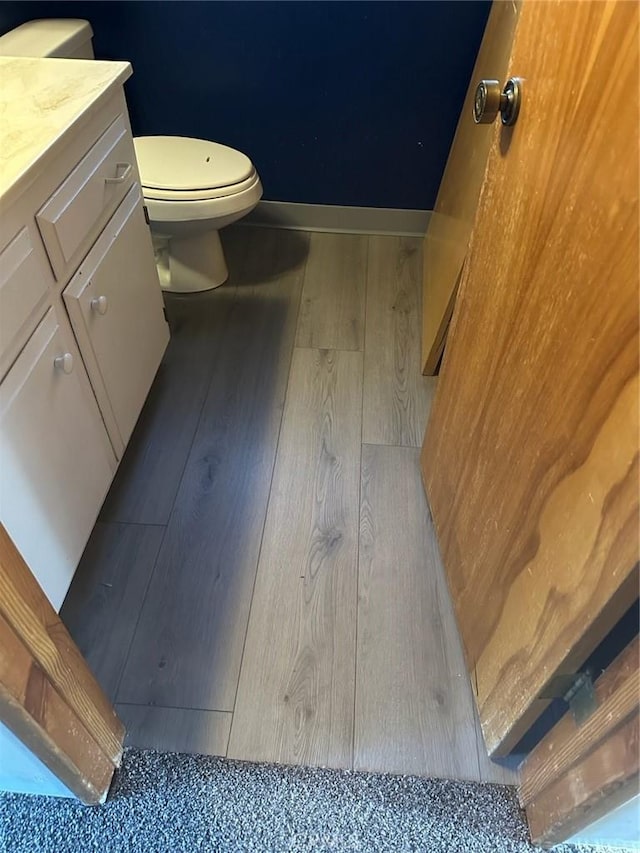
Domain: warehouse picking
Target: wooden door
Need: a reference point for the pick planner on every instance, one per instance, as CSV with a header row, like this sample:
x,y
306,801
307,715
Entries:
x,y
447,239
530,460
116,309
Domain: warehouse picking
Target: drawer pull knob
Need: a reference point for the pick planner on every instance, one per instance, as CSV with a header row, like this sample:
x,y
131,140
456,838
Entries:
x,y
99,304
120,179
64,362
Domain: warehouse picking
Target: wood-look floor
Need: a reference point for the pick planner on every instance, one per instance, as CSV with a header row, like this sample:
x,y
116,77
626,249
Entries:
x,y
264,581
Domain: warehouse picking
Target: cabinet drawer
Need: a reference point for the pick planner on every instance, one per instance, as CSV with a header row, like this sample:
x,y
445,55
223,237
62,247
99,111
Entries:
x,y
115,305
73,216
56,462
25,277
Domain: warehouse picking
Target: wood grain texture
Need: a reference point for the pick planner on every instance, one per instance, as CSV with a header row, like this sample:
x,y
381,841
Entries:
x,y
501,771
447,239
176,729
296,691
332,308
188,645
530,459
148,478
414,708
618,695
29,614
603,780
397,397
44,722
106,595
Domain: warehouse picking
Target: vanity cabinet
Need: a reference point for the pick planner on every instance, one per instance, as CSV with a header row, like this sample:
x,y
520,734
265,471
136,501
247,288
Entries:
x,y
70,220
56,461
82,325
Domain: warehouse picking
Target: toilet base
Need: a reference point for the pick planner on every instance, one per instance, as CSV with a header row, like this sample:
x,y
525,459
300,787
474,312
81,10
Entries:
x,y
191,264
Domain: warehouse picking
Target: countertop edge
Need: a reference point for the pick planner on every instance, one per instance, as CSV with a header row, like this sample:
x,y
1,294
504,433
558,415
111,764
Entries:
x,y
22,181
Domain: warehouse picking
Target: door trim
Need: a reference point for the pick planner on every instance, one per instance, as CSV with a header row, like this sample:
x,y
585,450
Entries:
x,y
48,696
580,772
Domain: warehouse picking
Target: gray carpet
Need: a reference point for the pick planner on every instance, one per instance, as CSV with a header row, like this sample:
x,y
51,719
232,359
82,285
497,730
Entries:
x,y
168,802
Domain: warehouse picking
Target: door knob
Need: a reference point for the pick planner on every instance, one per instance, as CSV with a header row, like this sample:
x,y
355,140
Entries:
x,y
489,101
64,362
99,304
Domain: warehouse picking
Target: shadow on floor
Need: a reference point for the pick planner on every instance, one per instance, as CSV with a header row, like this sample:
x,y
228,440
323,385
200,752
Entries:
x,y
275,264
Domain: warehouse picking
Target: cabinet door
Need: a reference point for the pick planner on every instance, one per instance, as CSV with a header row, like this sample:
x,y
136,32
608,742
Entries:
x,y
56,462
116,309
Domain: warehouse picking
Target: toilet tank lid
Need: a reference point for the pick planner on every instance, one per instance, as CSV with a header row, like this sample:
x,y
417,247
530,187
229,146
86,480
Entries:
x,y
184,163
46,37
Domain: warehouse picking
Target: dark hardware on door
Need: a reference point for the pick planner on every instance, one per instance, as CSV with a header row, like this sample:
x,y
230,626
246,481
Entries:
x,y
489,101
577,690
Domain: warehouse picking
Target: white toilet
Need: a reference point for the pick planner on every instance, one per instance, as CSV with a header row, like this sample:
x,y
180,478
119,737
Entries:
x,y
192,188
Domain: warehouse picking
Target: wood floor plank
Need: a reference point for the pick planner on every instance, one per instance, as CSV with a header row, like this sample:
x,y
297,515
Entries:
x,y
175,729
397,397
414,708
188,645
148,478
490,771
332,308
105,597
296,692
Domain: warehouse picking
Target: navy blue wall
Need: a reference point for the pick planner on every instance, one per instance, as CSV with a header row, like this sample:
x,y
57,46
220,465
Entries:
x,y
352,103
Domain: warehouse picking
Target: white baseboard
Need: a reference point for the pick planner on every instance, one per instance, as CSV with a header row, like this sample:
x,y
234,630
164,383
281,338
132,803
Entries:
x,y
334,218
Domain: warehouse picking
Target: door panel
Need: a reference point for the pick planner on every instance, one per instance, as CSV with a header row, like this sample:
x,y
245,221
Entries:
x,y
530,460
123,342
447,238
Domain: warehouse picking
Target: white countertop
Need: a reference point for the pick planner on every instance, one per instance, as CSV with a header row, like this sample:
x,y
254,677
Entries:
x,y
40,99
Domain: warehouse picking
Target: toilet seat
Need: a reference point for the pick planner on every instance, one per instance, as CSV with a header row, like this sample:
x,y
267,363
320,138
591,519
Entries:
x,y
174,168
163,194
183,207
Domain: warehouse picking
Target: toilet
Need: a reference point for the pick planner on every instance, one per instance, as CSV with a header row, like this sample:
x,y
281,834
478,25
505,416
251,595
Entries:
x,y
192,187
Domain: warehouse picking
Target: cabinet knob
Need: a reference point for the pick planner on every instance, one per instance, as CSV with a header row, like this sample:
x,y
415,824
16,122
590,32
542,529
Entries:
x,y
64,362
99,304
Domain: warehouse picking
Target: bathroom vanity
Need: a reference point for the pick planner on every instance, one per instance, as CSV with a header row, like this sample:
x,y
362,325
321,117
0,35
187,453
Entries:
x,y
82,325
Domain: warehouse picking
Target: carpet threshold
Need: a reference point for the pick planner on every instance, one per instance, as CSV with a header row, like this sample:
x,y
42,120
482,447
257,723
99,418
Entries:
x,y
170,802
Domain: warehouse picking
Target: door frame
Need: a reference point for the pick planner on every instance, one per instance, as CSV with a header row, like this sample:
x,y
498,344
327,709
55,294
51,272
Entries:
x,y
581,771
49,698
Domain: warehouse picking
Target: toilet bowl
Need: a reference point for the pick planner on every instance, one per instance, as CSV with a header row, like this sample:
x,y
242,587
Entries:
x,y
192,187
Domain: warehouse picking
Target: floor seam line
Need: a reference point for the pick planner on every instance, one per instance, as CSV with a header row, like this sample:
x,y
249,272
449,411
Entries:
x,y
355,657
174,708
332,349
266,513
205,397
166,526
132,523
394,446
135,629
